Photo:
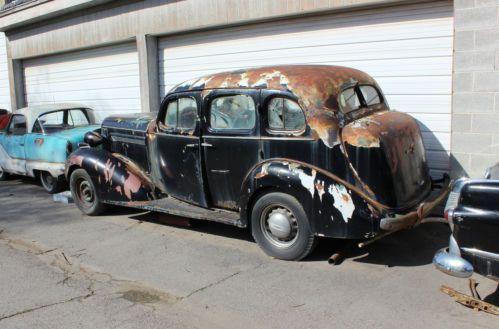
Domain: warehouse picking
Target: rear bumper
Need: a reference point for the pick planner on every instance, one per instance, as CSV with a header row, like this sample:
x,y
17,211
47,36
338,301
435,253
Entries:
x,y
452,264
415,217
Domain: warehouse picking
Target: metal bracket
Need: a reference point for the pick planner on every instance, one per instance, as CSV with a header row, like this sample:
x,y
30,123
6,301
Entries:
x,y
473,302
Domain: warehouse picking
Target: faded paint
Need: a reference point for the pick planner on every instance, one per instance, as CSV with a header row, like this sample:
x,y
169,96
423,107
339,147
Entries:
x,y
131,185
342,201
307,180
319,186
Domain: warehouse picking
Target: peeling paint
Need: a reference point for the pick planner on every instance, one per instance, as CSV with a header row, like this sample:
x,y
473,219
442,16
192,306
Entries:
x,y
319,186
307,180
342,200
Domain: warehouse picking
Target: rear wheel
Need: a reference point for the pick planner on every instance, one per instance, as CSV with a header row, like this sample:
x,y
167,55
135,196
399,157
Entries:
x,y
84,193
281,228
50,183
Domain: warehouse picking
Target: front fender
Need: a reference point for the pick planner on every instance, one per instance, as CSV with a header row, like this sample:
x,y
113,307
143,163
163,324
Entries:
x,y
334,207
115,177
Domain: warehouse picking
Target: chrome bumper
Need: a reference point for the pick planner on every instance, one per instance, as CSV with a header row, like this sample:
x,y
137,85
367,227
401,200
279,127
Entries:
x,y
449,261
414,218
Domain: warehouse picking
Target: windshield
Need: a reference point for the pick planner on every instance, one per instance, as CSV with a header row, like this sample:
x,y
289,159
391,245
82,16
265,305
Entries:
x,y
358,96
61,120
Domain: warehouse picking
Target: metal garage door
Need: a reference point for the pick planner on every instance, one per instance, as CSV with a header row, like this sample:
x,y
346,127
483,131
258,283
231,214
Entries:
x,y
4,75
408,49
106,79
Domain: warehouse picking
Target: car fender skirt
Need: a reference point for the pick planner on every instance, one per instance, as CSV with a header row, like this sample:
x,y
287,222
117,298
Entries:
x,y
334,207
115,177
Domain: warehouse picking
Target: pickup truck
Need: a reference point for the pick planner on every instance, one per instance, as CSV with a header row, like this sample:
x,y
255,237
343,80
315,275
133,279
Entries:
x,y
292,152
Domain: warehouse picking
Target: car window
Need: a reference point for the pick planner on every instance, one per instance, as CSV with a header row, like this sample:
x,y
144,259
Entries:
x,y
285,114
181,113
370,95
171,115
61,120
17,125
355,97
187,113
232,112
77,118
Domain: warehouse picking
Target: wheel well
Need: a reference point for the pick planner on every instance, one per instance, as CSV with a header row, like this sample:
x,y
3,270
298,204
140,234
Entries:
x,y
262,191
70,171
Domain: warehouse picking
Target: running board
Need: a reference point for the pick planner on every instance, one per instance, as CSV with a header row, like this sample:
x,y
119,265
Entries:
x,y
176,207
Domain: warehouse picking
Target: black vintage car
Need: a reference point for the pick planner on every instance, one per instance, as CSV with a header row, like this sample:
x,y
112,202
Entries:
x,y
472,211
293,152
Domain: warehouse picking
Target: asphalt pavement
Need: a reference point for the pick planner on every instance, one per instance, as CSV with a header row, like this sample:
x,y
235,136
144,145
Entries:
x,y
134,269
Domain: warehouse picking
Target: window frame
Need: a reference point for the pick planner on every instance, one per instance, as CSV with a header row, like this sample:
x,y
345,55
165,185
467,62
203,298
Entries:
x,y
43,132
281,132
231,131
360,96
12,133
164,110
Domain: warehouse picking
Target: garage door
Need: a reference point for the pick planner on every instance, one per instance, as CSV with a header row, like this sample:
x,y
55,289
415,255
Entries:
x,y
106,79
408,49
4,75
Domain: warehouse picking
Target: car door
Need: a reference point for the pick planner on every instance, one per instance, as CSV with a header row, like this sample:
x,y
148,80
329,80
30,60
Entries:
x,y
231,143
13,156
178,148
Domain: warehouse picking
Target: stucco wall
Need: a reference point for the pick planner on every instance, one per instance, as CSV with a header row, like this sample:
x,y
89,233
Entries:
x,y
475,124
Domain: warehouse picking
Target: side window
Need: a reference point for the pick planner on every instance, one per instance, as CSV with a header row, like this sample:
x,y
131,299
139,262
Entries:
x,y
187,113
17,125
181,113
370,94
233,112
285,115
171,115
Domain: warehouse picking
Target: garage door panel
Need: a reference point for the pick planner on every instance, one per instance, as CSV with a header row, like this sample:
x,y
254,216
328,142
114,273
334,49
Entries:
x,y
407,49
95,73
105,79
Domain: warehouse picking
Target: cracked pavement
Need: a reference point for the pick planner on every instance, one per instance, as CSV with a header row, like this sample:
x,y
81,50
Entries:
x,y
128,269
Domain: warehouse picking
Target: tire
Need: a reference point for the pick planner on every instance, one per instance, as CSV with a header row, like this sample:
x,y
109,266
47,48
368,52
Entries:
x,y
50,183
291,237
3,174
84,193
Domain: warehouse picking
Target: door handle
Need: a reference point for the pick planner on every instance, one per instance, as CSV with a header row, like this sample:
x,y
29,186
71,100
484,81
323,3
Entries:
x,y
195,145
206,145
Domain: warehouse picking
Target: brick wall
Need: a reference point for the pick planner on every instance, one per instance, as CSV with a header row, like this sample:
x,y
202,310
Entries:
x,y
475,110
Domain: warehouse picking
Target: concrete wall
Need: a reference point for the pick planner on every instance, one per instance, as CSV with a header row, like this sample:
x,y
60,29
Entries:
x,y
475,123
119,21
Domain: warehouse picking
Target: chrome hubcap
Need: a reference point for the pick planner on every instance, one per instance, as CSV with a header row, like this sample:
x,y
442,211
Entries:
x,y
279,226
85,193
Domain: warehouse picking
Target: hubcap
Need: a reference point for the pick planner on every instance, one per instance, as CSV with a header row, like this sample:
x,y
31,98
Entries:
x,y
85,193
279,226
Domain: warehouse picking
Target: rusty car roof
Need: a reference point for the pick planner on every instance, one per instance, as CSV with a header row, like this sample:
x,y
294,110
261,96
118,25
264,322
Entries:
x,y
316,86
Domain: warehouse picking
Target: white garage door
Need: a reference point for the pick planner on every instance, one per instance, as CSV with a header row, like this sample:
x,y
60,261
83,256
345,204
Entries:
x,y
106,79
4,75
408,49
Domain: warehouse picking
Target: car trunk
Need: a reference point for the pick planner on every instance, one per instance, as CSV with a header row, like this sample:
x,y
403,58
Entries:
x,y
387,152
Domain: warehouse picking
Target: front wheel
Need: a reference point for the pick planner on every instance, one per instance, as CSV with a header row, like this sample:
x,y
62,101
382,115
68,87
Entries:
x,y
281,228
50,183
3,174
84,193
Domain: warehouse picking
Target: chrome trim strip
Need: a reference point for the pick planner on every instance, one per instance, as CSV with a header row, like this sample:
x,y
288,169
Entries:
x,y
482,253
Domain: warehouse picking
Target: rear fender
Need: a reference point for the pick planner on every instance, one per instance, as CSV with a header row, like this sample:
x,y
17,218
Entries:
x,y
334,207
115,177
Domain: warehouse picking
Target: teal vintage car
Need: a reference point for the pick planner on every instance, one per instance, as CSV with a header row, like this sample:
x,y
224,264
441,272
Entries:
x,y
38,140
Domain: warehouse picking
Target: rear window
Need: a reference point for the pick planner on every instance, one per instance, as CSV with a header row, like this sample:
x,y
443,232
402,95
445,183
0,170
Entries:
x,y
61,120
359,96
